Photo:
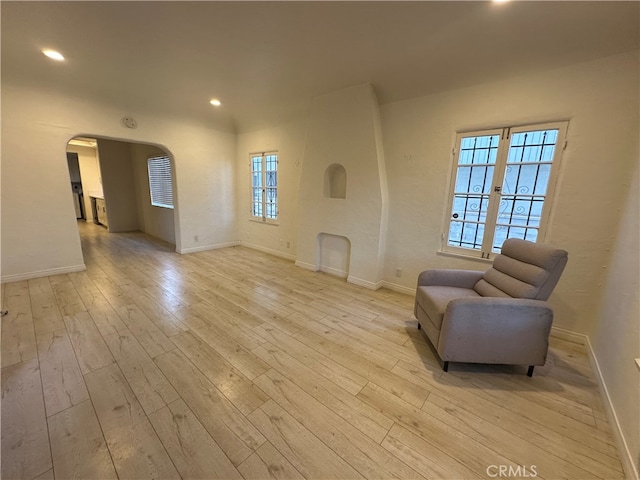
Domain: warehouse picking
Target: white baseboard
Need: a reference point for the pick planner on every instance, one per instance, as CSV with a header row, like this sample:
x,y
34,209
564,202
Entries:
x,y
207,247
626,458
364,283
306,266
270,251
334,271
398,288
17,277
628,463
569,336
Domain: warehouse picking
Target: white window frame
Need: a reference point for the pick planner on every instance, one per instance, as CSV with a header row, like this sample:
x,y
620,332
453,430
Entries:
x,y
487,249
262,211
160,176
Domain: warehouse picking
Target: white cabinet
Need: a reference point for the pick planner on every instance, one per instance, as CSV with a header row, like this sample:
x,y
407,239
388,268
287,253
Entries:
x,y
101,212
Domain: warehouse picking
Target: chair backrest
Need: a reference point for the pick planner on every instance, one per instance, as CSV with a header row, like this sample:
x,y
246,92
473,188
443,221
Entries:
x,y
523,270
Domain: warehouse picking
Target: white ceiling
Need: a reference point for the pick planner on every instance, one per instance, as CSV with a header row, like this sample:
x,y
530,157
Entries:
x,y
266,60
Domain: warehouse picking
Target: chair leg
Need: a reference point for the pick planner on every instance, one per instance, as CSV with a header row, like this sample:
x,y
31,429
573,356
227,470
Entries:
x,y
445,366
530,371
419,326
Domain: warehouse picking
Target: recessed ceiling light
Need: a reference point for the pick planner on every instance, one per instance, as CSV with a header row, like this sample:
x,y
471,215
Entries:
x,y
53,55
215,102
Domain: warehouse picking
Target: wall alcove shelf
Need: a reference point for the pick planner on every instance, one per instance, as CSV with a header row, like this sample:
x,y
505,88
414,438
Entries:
x,y
335,181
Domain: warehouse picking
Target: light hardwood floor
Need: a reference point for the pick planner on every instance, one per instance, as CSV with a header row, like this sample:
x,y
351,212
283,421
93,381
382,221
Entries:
x,y
235,364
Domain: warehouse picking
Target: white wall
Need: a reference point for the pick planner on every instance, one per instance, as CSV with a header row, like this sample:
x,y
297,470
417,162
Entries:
x,y
116,169
343,128
155,221
90,174
615,337
288,139
600,99
39,228
36,198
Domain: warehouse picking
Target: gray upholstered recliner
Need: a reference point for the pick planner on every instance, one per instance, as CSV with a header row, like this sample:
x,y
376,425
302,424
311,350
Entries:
x,y
498,316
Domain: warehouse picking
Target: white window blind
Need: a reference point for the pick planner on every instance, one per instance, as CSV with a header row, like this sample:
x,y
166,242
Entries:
x,y
160,181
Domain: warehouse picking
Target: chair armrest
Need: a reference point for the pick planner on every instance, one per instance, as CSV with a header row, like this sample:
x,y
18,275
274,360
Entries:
x,y
494,311
450,278
496,330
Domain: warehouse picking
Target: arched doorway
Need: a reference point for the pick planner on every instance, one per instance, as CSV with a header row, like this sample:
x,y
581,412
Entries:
x,y
116,185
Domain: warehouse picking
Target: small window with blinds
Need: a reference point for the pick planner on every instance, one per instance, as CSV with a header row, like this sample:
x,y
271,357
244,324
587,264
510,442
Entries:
x,y
160,181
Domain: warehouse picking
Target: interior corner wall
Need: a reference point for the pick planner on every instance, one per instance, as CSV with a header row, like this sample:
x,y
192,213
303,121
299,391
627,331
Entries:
x,y
600,100
118,186
615,337
342,129
155,221
39,231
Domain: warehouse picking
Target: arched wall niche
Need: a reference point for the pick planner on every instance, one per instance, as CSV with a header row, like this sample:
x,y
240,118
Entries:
x,y
335,181
334,254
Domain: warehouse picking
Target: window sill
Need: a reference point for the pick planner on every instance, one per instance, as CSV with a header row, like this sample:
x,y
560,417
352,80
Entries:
x,y
265,222
465,257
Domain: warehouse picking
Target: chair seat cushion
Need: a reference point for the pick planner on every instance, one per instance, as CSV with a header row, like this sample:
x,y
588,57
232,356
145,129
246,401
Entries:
x,y
434,300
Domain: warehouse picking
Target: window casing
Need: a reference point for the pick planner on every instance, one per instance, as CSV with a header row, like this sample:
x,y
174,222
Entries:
x,y
501,187
160,181
264,186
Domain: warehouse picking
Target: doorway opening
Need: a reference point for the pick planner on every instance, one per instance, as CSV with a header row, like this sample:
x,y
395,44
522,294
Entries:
x,y
76,185
116,179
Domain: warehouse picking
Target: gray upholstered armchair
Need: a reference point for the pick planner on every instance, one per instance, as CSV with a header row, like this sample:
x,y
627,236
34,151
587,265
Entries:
x,y
497,316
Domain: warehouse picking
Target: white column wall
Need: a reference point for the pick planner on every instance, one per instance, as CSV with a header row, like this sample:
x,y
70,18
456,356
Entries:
x,y
343,128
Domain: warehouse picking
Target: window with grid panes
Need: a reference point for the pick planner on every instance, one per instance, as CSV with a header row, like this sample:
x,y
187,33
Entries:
x,y
502,184
264,186
160,181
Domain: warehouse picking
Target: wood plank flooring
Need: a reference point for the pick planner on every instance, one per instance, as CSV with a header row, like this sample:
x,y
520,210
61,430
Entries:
x,y
235,364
